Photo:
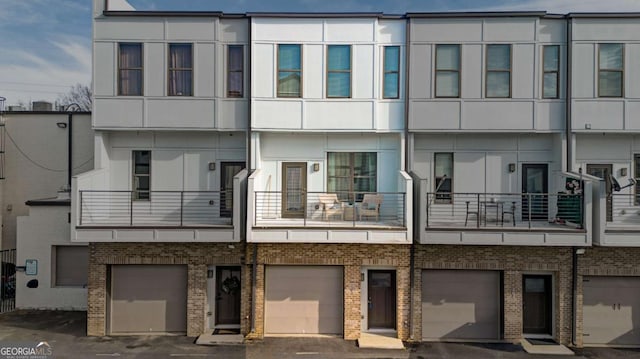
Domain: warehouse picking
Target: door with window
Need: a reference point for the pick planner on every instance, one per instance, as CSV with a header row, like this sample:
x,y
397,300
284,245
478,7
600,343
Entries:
x,y
227,171
352,174
294,187
535,189
227,306
141,175
537,304
604,171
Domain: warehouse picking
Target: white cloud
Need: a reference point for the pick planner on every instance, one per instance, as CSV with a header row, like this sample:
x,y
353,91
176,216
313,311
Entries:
x,y
566,6
35,77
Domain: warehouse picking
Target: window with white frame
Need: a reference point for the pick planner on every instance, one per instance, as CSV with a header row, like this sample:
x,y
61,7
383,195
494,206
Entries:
x,y
498,71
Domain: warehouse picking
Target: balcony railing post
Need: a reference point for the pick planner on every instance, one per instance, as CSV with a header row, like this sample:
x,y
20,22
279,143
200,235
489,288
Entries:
x,y
529,208
131,208
404,207
478,213
80,209
427,210
181,208
305,198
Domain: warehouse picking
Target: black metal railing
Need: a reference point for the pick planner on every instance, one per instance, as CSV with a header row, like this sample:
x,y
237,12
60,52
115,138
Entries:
x,y
155,208
527,210
7,280
330,209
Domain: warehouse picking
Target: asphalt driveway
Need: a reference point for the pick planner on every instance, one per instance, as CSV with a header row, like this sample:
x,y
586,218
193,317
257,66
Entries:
x,y
65,332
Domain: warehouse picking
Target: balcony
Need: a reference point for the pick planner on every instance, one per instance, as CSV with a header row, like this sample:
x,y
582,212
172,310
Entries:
x,y
617,218
546,219
103,215
329,217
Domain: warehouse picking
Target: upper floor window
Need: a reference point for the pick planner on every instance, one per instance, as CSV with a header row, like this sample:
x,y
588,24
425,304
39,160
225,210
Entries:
x,y
391,85
130,69
551,69
235,71
610,70
339,71
141,175
498,75
289,70
180,70
351,174
447,70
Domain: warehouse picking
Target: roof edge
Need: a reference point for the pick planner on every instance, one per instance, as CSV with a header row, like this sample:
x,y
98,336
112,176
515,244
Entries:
x,y
477,14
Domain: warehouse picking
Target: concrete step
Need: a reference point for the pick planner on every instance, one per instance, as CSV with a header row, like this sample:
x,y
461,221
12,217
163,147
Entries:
x,y
379,341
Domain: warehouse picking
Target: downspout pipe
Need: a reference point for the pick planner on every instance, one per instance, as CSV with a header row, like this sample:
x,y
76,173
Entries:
x,y
407,163
251,160
69,148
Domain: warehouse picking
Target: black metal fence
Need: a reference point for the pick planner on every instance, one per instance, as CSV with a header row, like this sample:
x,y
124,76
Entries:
x,y
7,280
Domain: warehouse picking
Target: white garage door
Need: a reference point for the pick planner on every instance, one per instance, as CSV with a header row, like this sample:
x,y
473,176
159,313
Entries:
x,y
303,300
611,309
148,299
460,304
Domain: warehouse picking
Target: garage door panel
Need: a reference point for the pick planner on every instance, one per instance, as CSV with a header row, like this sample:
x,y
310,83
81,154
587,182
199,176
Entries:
x,y
148,299
458,304
611,310
303,300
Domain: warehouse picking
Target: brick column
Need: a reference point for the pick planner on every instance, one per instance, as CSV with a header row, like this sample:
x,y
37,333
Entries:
x,y
96,299
196,297
564,304
512,305
403,302
416,321
259,305
352,302
245,300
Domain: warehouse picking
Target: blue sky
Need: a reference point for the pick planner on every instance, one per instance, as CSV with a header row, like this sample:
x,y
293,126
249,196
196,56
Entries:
x,y
46,44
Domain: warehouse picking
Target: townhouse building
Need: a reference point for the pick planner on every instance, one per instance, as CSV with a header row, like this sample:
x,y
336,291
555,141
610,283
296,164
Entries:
x,y
430,176
329,210
499,209
603,111
162,210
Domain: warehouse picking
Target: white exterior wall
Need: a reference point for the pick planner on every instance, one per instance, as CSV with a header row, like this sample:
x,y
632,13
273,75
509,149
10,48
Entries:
x,y
43,228
276,148
366,110
481,160
46,170
589,112
207,109
525,111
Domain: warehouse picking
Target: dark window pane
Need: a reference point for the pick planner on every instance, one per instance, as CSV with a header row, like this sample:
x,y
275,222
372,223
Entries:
x,y
611,56
130,69
289,84
235,84
550,85
498,84
339,57
235,58
180,56
498,57
551,58
289,57
610,83
448,57
130,83
391,58
339,84
391,85
447,84
180,83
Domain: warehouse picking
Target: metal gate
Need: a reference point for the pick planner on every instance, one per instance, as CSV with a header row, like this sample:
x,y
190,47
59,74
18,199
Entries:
x,y
7,280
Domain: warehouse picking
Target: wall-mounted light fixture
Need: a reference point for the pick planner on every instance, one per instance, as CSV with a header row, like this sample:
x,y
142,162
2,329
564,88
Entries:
x,y
316,167
61,124
623,172
212,166
512,167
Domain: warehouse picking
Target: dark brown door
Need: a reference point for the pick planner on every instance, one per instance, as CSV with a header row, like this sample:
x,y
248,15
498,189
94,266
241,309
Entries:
x,y
382,299
227,171
604,172
228,295
536,304
535,183
294,186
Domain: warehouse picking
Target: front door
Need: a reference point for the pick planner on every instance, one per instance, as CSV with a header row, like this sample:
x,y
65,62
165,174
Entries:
x,y
227,295
536,304
604,172
294,185
381,288
227,171
535,189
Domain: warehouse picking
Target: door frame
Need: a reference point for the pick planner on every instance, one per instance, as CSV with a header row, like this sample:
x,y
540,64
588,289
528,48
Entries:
x,y
284,212
551,300
210,313
525,209
223,165
608,190
364,295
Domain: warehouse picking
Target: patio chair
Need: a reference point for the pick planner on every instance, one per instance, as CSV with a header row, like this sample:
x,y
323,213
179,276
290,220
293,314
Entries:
x,y
511,211
472,212
370,206
331,206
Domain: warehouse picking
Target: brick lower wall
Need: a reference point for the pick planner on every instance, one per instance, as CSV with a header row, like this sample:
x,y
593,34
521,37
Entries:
x,y
603,261
353,257
513,261
197,256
